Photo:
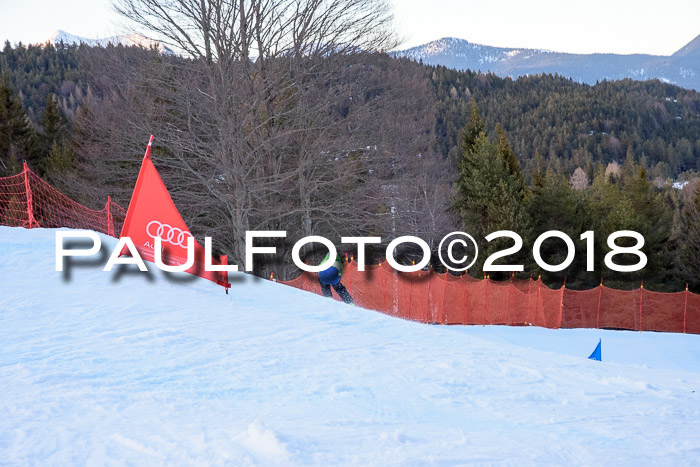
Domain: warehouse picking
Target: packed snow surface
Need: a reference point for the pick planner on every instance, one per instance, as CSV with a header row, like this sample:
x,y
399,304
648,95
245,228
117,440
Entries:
x,y
99,368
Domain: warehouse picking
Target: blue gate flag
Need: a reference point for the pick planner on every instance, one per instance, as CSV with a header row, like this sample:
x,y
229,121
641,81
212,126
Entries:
x,y
596,353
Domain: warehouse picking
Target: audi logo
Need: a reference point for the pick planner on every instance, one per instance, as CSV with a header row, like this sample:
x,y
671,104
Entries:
x,y
168,233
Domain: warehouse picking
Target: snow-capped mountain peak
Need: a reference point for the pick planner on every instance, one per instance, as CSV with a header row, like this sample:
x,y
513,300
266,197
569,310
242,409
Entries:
x,y
680,68
127,40
690,50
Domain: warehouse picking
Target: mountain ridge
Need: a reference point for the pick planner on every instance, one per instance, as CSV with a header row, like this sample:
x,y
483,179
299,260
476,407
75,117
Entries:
x,y
128,40
682,68
691,49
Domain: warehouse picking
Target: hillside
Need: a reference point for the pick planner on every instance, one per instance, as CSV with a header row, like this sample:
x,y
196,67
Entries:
x,y
575,125
101,369
548,114
682,68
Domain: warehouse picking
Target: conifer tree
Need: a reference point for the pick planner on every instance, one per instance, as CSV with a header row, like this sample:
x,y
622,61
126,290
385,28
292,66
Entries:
x,y
489,191
60,159
538,175
473,129
687,257
511,161
17,138
555,205
57,153
52,123
651,219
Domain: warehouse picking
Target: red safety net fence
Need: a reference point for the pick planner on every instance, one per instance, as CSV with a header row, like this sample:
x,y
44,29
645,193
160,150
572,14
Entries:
x,y
430,297
425,296
28,201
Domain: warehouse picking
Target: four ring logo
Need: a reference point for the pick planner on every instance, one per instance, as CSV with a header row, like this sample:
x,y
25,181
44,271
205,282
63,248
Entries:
x,y
168,233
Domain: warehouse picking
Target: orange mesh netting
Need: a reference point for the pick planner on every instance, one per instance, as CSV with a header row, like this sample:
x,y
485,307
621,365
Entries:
x,y
28,201
429,297
425,296
692,314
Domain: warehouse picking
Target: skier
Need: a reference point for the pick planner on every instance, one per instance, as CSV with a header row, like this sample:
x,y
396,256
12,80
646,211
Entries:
x,y
331,277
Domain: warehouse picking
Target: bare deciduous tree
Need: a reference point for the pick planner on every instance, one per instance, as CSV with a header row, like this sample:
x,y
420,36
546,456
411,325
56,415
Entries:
x,y
277,115
613,170
579,179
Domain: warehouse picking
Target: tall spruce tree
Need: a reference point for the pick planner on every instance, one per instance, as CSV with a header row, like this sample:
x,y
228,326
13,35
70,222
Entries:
x,y
631,202
60,159
687,256
56,151
490,191
555,205
652,219
52,123
510,159
17,138
473,129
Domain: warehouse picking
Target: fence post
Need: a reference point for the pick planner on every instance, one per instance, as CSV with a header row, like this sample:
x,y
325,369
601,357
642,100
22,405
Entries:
x,y
561,303
466,305
685,308
382,284
110,222
410,300
510,300
600,295
31,222
444,296
641,299
537,303
529,300
429,299
488,305
395,296
486,302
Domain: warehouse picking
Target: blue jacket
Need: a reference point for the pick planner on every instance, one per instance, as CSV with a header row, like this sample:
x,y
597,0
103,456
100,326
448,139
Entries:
x,y
333,274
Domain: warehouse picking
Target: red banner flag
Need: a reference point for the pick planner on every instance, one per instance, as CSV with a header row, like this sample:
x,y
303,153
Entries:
x,y
153,214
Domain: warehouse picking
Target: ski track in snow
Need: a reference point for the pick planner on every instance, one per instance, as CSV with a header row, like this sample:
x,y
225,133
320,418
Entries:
x,y
105,370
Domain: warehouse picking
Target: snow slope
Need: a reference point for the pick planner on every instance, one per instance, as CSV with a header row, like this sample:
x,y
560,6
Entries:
x,y
107,369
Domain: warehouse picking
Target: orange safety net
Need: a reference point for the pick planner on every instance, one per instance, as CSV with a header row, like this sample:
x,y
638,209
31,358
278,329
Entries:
x,y
28,201
425,296
691,316
430,297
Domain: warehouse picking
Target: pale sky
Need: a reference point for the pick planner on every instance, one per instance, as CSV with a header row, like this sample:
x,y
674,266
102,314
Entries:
x,y
620,26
